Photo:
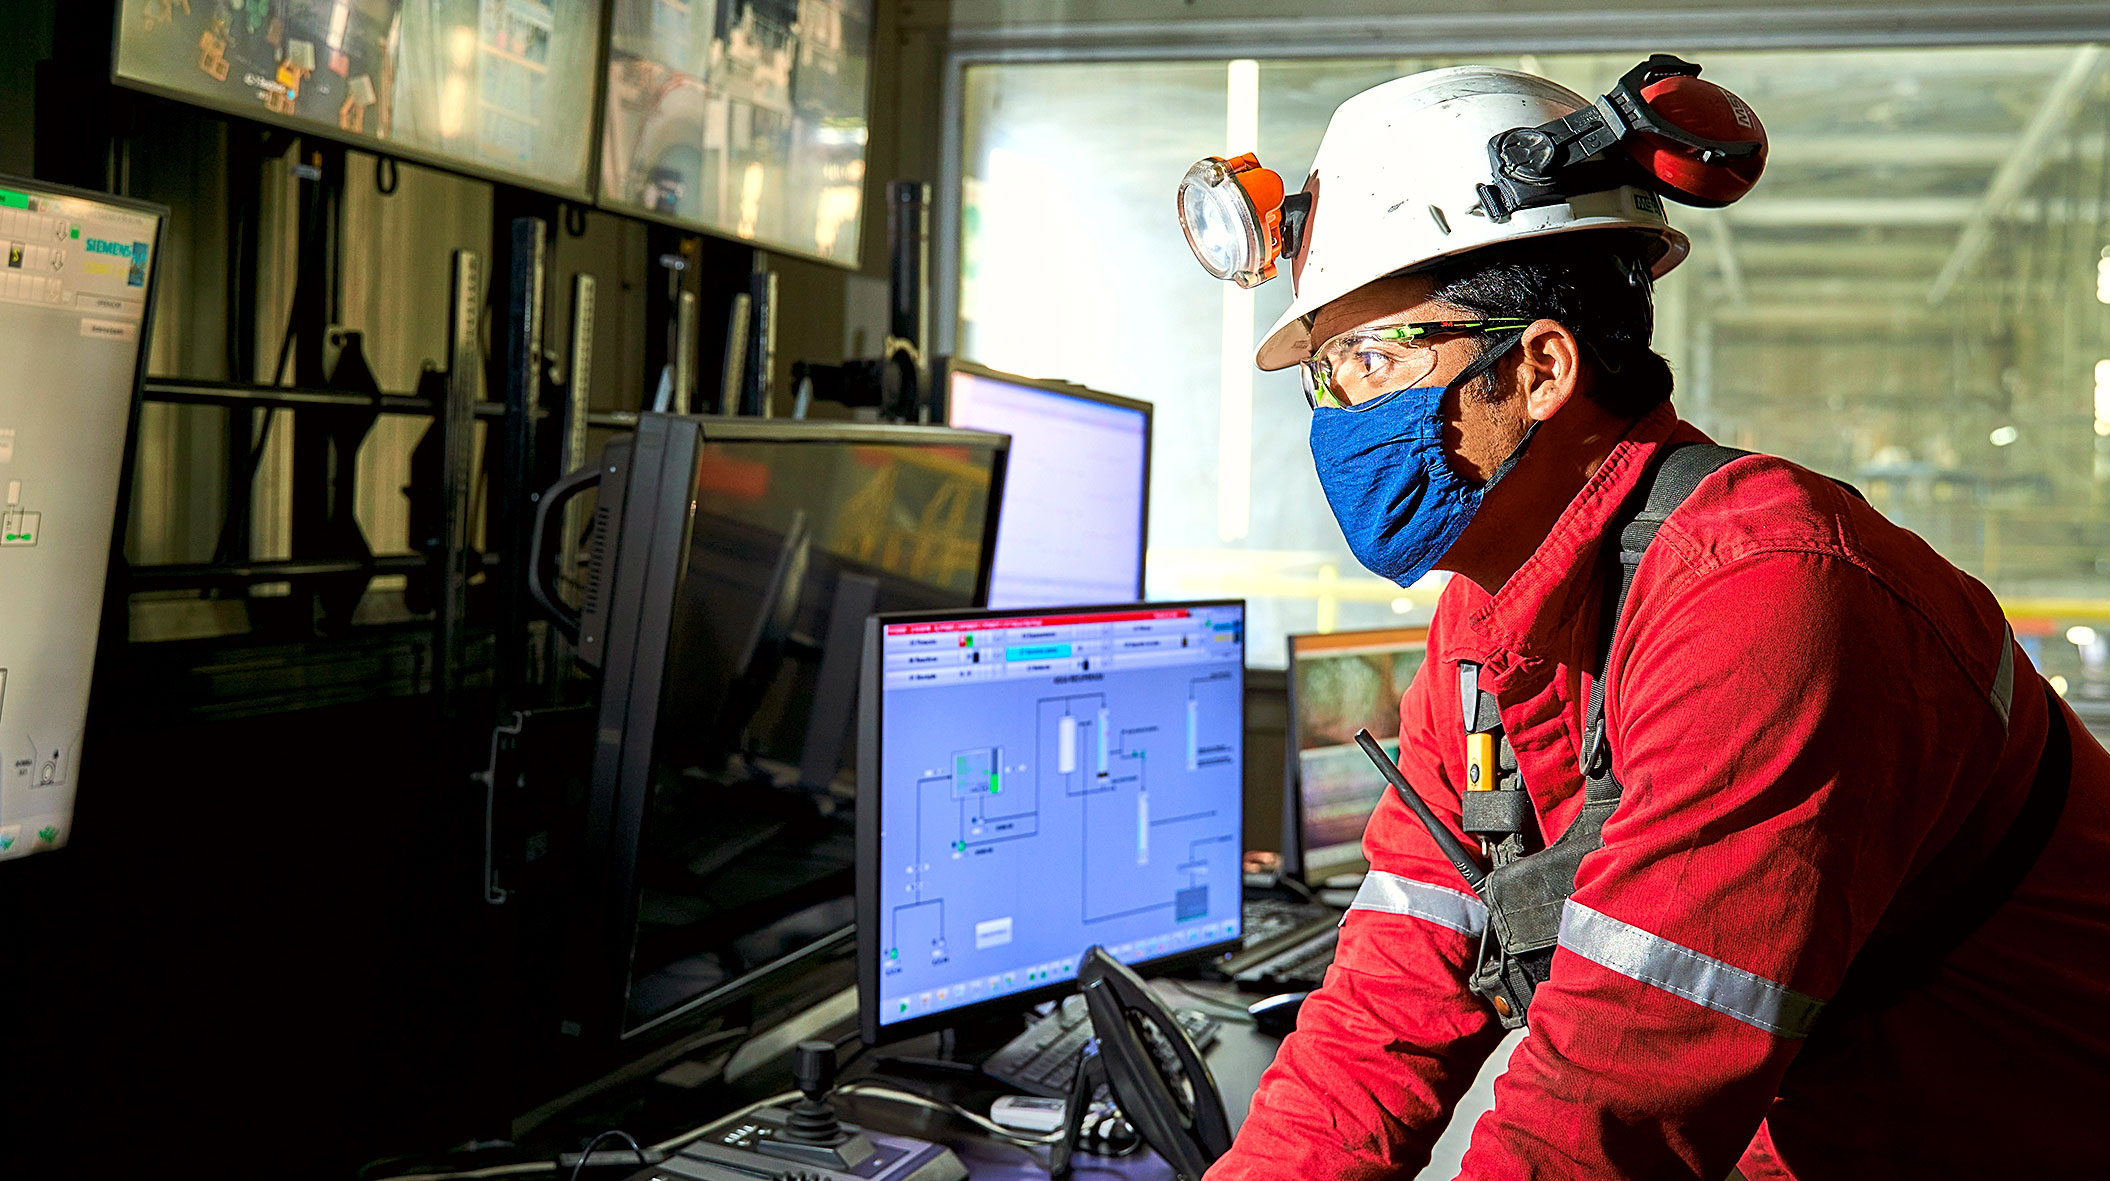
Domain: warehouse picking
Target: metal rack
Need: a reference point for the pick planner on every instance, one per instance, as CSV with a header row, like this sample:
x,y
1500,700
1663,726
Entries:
x,y
537,430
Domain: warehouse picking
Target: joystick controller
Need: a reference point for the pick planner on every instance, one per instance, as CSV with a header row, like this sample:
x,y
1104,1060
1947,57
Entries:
x,y
807,1142
811,1132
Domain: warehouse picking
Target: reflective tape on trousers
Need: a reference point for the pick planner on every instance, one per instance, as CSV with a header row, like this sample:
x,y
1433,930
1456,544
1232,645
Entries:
x,y
1675,968
1389,893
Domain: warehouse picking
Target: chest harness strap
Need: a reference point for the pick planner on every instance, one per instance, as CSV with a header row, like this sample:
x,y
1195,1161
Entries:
x,y
1529,884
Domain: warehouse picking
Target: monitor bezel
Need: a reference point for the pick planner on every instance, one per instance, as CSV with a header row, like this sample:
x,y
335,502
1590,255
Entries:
x,y
868,789
621,786
953,365
583,195
1295,855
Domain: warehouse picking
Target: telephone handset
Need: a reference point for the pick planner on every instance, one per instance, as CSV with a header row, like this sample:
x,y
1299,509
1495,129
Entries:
x,y
1157,1076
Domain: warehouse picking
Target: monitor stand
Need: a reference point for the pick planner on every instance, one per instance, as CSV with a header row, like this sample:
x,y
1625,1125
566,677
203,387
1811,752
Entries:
x,y
964,1047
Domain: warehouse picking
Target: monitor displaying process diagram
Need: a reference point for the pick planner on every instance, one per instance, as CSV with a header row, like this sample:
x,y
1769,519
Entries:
x,y
1050,782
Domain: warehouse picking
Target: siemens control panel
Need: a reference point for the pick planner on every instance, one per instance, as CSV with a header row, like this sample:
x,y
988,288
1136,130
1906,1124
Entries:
x,y
76,277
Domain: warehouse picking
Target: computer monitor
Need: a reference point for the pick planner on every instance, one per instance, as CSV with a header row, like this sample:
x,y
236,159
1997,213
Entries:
x,y
503,90
735,563
77,277
746,120
1340,682
1032,784
1077,501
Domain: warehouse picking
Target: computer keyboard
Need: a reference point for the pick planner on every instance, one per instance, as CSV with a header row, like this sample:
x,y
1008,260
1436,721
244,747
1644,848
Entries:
x,y
1273,926
1267,918
1296,968
1043,1059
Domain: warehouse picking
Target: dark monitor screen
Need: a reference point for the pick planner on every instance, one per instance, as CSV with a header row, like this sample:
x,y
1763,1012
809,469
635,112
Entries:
x,y
1341,682
498,89
1034,783
784,537
1076,501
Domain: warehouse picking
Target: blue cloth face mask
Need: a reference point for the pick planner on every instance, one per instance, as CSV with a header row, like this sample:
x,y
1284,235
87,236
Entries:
x,y
1383,470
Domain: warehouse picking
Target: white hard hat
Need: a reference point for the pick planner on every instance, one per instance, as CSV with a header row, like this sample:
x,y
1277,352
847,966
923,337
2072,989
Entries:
x,y
1393,188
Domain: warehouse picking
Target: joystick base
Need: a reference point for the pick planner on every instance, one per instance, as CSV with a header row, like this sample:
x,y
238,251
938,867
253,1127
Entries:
x,y
753,1146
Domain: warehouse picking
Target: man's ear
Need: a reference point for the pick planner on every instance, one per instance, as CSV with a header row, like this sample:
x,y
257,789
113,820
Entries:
x,y
1549,368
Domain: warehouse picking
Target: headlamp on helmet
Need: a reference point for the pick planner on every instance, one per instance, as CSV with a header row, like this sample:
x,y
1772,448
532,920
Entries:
x,y
1236,218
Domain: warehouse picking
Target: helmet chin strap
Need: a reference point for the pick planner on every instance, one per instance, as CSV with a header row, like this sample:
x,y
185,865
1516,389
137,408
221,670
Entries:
x,y
1482,364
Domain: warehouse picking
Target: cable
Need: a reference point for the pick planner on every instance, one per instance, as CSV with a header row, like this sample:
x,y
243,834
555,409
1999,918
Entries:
x,y
594,1143
1294,886
1223,1008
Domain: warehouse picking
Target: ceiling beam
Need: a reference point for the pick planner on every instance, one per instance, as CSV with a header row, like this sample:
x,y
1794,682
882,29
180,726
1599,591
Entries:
x,y
2020,168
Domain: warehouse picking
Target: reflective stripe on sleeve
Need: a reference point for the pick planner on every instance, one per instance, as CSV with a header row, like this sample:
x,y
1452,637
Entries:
x,y
1389,893
1701,979
2002,694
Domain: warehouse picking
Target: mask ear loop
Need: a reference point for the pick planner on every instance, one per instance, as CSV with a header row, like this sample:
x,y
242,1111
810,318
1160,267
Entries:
x,y
1481,364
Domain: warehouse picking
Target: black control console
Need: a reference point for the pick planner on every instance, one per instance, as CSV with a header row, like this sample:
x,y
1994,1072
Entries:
x,y
805,1142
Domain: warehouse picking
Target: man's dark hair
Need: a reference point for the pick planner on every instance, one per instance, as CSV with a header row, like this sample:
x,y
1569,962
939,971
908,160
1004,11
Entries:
x,y
1597,284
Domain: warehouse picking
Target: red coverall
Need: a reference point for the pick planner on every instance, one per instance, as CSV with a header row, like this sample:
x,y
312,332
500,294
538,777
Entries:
x,y
1806,705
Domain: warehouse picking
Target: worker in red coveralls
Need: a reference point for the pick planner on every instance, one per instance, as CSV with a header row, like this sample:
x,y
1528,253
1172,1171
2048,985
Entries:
x,y
1845,911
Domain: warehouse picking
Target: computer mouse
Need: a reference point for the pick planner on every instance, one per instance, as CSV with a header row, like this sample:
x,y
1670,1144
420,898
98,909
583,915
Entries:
x,y
1277,1015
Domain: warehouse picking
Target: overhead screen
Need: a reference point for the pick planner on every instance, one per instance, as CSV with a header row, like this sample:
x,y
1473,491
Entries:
x,y
75,274
500,88
743,119
1077,492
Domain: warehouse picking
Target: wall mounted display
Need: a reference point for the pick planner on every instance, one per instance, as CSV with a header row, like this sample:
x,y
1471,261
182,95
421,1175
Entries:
x,y
502,89
745,118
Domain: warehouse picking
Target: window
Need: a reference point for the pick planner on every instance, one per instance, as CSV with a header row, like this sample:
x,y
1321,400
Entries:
x,y
1915,299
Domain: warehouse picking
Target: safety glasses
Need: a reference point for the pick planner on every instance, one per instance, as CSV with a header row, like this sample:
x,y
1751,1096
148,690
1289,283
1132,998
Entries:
x,y
1363,364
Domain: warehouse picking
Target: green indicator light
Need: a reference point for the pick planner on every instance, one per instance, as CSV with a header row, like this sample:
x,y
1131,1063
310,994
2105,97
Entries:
x,y
14,200
76,231
994,787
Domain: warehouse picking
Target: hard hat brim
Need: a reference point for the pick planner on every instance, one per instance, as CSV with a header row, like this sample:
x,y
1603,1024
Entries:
x,y
1289,341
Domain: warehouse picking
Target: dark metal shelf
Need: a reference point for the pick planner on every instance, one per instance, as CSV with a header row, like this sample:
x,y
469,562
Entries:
x,y
195,575
183,391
